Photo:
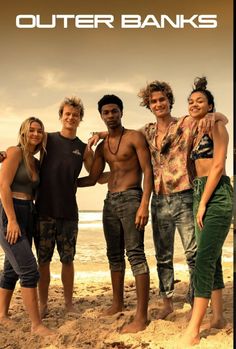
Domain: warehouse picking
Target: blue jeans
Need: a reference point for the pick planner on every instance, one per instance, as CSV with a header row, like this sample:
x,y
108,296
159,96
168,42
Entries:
x,y
19,262
168,213
119,214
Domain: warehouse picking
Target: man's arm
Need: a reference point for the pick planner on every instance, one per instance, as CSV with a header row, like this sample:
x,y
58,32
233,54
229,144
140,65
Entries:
x,y
145,164
88,163
96,136
96,169
206,124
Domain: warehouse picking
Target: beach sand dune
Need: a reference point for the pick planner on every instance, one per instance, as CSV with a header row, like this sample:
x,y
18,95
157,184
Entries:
x,y
86,329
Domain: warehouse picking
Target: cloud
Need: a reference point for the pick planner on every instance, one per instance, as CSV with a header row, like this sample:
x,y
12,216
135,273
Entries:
x,y
122,86
52,79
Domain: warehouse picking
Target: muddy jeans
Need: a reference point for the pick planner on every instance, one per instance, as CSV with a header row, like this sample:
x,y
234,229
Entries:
x,y
168,213
119,214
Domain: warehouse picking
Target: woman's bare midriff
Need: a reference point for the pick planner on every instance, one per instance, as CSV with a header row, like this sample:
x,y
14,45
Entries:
x,y
21,196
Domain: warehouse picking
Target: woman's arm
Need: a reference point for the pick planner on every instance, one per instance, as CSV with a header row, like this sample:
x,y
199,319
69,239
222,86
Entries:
x,y
7,174
220,139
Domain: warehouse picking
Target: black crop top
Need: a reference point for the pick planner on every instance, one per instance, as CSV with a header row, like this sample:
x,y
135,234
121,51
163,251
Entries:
x,y
22,182
204,149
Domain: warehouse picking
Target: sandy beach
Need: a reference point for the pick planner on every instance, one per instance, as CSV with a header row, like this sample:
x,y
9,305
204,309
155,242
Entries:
x,y
86,329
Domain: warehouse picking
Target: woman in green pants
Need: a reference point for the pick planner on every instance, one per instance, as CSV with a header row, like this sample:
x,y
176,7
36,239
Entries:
x,y
212,212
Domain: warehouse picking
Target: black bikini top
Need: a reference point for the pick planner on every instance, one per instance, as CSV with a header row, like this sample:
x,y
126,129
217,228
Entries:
x,y
204,149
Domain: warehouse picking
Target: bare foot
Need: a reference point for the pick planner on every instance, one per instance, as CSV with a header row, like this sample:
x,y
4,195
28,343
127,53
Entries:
x,y
164,312
134,327
188,340
42,331
112,310
43,310
218,324
71,309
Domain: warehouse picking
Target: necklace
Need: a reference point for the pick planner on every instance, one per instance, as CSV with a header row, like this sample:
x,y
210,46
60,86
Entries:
x,y
161,130
118,146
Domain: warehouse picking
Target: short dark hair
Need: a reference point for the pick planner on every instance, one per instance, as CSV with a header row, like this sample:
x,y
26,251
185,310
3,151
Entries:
x,y
110,99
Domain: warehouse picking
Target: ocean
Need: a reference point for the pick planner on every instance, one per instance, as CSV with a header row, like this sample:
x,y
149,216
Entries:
x,y
91,249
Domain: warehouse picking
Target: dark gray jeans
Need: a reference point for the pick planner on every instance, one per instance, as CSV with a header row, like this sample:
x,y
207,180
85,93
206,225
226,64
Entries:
x,y
19,262
119,214
168,213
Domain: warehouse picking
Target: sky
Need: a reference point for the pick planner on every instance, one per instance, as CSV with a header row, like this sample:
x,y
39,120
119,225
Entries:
x,y
39,67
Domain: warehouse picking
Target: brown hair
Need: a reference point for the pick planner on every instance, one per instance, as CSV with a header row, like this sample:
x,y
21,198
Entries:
x,y
145,93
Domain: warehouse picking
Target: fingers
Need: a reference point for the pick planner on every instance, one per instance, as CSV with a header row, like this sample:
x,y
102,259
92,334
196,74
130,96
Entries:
x,y
93,141
140,222
204,125
12,235
207,123
200,222
212,123
199,218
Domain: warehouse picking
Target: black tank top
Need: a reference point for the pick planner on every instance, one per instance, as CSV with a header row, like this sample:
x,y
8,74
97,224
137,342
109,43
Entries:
x,y
60,168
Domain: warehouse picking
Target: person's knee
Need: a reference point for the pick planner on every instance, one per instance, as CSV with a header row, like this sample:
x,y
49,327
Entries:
x,y
8,283
44,272
29,279
67,259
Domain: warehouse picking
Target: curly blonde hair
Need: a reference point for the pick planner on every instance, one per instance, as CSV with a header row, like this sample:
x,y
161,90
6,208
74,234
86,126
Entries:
x,y
145,93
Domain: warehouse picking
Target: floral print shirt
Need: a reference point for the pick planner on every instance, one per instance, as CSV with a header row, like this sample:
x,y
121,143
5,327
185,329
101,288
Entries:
x,y
172,168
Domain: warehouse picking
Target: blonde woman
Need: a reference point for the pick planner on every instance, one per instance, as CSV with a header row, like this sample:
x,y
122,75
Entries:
x,y
18,181
212,213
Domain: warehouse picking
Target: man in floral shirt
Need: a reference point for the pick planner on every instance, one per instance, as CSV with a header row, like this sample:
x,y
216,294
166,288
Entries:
x,y
170,141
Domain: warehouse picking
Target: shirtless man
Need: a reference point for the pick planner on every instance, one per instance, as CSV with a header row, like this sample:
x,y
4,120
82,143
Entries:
x,y
170,141
125,211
